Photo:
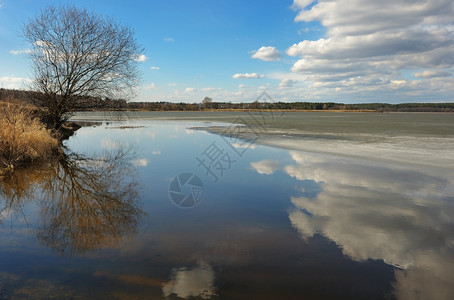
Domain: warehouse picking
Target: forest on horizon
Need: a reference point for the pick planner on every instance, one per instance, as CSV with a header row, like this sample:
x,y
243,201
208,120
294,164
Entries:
x,y
108,104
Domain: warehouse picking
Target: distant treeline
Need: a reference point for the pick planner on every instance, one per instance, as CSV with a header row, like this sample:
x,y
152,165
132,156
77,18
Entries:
x,y
33,98
106,104
328,106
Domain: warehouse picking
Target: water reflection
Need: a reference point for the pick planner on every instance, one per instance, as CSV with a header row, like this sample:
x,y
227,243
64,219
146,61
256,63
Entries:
x,y
84,203
392,213
267,167
243,241
195,282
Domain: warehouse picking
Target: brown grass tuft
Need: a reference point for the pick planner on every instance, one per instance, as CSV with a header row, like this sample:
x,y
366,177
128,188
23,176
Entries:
x,y
23,137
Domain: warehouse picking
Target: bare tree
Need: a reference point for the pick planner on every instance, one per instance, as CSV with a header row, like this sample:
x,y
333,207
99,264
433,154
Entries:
x,y
207,101
78,58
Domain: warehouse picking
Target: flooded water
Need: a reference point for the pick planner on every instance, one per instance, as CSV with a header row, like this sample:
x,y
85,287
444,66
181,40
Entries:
x,y
160,208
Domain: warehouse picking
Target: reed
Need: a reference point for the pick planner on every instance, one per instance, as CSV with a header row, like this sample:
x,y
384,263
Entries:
x,y
23,137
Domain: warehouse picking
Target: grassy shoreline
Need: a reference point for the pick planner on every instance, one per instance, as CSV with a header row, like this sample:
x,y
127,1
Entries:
x,y
23,137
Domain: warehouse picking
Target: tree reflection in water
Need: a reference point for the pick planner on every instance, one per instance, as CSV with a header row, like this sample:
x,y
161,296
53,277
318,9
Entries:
x,y
85,203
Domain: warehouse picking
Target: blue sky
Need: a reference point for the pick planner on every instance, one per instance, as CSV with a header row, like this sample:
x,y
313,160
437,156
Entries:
x,y
302,50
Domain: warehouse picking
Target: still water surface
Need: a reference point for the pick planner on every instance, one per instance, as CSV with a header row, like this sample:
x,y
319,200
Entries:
x,y
153,209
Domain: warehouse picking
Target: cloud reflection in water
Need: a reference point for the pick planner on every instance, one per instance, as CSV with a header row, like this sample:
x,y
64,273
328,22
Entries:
x,y
195,282
398,214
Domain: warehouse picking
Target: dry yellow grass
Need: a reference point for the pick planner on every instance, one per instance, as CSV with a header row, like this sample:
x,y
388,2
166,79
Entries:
x,y
22,136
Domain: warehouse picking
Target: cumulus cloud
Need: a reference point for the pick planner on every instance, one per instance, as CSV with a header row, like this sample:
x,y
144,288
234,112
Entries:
x,y
368,44
267,54
196,282
301,4
267,167
155,68
248,76
367,16
140,57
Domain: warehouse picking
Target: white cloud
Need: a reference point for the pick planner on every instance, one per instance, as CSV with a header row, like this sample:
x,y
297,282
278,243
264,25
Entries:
x,y
432,74
244,93
155,68
169,40
267,167
172,84
196,282
368,16
208,89
22,51
267,54
140,57
12,82
190,90
151,86
369,45
286,83
248,76
301,4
